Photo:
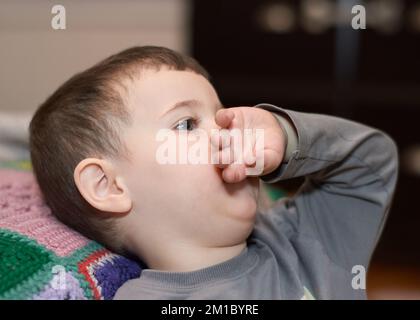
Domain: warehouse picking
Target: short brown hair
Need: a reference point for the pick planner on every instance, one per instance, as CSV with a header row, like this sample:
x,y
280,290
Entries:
x,y
81,119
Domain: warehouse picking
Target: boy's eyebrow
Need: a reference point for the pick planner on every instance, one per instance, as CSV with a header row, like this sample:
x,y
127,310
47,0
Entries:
x,y
184,103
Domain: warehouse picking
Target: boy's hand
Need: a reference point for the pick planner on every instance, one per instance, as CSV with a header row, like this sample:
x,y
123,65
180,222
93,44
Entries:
x,y
272,150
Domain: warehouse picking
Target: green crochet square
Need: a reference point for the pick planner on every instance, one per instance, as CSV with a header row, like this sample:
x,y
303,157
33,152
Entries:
x,y
20,259
24,165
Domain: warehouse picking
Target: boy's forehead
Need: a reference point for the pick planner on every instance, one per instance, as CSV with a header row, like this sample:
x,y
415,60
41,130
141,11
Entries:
x,y
155,91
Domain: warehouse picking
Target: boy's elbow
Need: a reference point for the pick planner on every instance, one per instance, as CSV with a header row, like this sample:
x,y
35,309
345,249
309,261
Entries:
x,y
393,153
390,156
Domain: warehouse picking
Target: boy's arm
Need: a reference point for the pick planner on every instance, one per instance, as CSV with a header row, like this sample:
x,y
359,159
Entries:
x,y
350,175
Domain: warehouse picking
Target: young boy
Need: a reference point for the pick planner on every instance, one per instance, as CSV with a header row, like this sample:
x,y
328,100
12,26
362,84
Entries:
x,y
94,151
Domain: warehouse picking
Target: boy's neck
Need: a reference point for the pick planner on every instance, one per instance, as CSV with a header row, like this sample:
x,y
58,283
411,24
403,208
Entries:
x,y
184,258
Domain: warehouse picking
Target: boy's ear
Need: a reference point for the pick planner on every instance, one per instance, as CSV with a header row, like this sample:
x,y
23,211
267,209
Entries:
x,y
101,187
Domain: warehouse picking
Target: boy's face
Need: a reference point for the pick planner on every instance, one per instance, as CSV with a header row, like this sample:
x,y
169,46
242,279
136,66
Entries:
x,y
181,202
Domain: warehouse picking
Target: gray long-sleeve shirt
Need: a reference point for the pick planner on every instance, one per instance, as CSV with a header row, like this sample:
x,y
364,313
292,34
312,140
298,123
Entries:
x,y
316,244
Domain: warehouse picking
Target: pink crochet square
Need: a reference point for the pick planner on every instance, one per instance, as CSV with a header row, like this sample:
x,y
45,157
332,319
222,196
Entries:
x,y
23,210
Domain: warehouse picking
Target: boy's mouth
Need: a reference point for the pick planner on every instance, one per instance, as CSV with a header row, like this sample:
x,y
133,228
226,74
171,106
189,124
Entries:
x,y
249,182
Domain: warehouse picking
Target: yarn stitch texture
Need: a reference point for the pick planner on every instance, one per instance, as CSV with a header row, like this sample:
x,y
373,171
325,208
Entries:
x,y
41,258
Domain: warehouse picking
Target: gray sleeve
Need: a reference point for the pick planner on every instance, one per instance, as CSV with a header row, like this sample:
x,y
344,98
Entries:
x,y
350,172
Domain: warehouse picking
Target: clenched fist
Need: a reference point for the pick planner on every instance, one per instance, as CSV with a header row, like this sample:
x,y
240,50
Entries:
x,y
264,143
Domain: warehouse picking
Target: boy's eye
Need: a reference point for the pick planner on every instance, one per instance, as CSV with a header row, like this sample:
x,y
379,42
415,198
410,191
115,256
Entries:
x,y
186,124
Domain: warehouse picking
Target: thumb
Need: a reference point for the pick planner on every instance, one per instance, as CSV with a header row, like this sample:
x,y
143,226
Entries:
x,y
224,117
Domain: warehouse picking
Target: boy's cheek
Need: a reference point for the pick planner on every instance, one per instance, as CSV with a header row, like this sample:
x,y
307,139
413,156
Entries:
x,y
146,173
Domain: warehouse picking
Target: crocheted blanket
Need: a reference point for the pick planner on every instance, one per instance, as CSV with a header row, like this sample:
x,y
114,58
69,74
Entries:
x,y
41,258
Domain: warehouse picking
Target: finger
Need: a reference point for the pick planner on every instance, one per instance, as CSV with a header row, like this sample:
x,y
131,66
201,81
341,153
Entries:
x,y
225,157
265,163
249,153
257,157
257,168
234,173
249,158
220,139
224,117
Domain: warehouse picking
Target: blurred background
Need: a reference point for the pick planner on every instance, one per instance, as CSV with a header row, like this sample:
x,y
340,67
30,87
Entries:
x,y
302,55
